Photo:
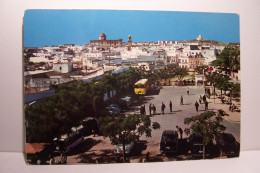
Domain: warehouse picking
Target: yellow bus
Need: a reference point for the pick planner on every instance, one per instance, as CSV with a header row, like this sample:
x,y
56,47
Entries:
x,y
141,87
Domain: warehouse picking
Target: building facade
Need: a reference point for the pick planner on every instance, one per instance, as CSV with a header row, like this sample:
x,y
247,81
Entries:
x,y
196,61
62,67
104,43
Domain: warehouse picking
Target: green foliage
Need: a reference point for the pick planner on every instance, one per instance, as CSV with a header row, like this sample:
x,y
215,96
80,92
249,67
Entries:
x,y
199,69
180,73
56,115
205,125
221,82
152,76
123,130
229,59
210,78
235,88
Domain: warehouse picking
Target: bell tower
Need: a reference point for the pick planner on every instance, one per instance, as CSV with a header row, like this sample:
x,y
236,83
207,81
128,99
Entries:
x,y
129,42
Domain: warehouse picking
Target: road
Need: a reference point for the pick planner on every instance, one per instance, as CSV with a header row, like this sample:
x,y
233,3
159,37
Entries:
x,y
176,118
98,147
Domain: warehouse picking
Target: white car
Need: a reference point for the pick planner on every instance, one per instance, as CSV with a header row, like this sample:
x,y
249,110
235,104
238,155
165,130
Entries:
x,y
128,148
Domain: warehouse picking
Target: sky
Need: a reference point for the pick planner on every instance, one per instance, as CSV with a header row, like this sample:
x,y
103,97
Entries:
x,y
58,27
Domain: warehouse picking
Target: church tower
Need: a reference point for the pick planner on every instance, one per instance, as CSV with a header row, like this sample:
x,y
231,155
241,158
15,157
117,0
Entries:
x,y
129,42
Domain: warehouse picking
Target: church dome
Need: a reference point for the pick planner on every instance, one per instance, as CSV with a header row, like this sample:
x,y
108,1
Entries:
x,y
102,36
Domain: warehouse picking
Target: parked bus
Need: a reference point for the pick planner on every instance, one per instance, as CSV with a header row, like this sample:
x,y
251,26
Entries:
x,y
141,87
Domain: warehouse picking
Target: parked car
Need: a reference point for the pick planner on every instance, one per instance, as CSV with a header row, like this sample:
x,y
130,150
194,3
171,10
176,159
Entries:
x,y
196,145
128,148
113,109
67,142
227,144
89,124
169,141
127,100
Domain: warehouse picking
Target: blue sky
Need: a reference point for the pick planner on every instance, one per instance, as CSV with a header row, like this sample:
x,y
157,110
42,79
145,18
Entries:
x,y
57,27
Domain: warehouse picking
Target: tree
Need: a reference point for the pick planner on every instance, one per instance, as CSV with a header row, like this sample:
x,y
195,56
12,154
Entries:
x,y
56,115
229,59
234,91
163,74
44,122
199,69
110,83
205,125
123,130
152,76
210,78
180,73
129,77
221,82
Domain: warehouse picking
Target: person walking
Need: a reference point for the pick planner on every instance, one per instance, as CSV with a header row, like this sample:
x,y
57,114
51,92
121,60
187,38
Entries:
x,y
154,110
63,158
206,105
147,157
170,105
204,98
150,109
188,91
180,131
141,109
181,100
209,93
52,160
197,106
200,99
162,108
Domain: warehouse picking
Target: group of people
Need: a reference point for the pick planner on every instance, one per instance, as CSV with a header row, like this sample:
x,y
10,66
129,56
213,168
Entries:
x,y
152,108
207,92
206,103
232,107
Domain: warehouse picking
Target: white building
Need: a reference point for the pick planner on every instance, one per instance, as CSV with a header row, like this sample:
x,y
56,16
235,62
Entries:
x,y
209,55
200,38
191,50
92,63
62,67
183,62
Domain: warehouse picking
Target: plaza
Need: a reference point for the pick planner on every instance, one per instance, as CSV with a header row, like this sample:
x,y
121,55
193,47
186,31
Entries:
x,y
101,148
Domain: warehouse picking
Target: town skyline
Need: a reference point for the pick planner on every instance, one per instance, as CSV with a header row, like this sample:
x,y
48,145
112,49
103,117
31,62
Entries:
x,y
58,27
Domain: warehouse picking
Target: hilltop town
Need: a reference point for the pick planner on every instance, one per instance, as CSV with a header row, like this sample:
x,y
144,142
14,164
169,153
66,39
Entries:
x,y
48,65
98,103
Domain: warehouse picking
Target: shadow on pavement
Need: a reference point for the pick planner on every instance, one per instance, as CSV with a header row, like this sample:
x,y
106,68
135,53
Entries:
x,y
141,100
84,146
153,92
177,111
187,104
104,156
157,158
140,146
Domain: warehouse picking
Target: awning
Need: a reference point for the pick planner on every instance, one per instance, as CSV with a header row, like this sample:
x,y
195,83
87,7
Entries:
x,y
33,148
